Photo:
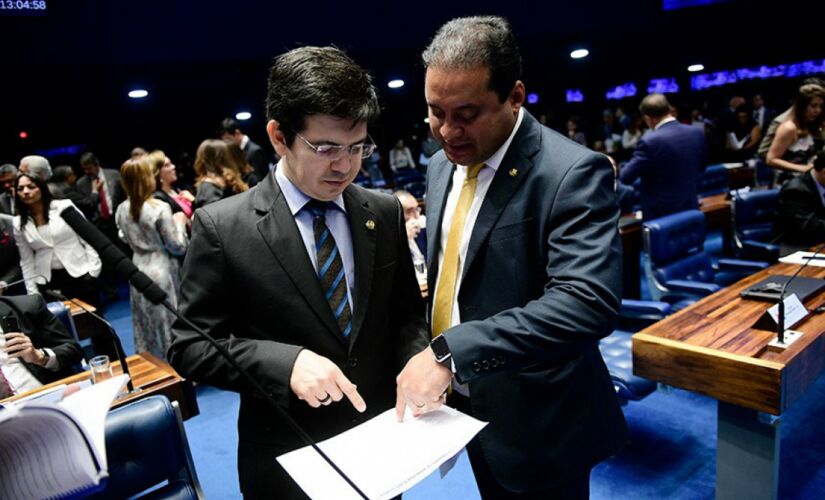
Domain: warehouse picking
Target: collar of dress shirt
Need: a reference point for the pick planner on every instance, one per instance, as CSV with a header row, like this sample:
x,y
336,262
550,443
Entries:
x,y
665,120
244,141
495,160
295,198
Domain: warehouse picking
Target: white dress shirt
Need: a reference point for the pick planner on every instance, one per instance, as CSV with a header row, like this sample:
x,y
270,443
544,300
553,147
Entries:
x,y
19,377
485,179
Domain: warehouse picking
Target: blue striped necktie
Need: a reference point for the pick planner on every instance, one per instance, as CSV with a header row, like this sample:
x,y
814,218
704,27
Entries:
x,y
331,271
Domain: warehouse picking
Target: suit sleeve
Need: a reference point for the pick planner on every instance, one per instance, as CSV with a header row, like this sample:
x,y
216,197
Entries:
x,y
206,301
638,164
51,333
407,317
798,216
580,301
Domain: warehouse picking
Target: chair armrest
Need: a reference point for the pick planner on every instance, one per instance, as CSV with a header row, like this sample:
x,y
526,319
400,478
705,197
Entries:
x,y
644,309
693,287
741,266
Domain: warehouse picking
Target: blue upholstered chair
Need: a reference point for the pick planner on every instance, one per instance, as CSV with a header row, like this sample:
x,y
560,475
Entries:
x,y
752,213
617,349
763,173
63,313
714,180
146,448
679,269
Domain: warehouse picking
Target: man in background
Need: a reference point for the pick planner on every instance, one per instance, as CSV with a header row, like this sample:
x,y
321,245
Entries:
x,y
800,213
8,173
667,161
525,273
255,154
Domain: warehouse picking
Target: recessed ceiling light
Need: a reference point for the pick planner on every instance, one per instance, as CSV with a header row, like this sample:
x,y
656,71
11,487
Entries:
x,y
395,84
138,93
243,115
579,53
693,68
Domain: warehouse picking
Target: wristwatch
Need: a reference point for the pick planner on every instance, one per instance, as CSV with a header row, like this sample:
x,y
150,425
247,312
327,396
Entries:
x,y
45,357
442,352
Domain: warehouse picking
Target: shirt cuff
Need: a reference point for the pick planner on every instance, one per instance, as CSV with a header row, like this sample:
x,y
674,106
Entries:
x,y
52,363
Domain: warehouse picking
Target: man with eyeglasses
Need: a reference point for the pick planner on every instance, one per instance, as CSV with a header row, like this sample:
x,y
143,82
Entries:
x,y
306,279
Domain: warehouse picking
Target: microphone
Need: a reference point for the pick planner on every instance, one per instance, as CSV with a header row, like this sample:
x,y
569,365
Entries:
x,y
113,255
121,355
22,280
125,268
781,311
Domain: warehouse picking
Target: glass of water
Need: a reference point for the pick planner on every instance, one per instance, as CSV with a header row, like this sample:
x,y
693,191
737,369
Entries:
x,y
101,368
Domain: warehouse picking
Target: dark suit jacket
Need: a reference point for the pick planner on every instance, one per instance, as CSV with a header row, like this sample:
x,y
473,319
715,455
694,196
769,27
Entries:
x,y
10,258
248,281
540,287
44,330
668,162
800,213
112,179
258,158
6,203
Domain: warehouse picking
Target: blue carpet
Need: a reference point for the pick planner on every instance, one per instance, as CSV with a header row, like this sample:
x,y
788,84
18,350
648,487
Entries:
x,y
671,453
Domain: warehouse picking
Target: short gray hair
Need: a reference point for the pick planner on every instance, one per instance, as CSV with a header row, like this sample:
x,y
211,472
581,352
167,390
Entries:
x,y
38,165
8,168
470,42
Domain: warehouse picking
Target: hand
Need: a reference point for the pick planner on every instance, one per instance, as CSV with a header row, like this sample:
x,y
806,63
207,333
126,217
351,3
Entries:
x,y
96,185
19,345
412,229
318,381
180,218
186,195
422,385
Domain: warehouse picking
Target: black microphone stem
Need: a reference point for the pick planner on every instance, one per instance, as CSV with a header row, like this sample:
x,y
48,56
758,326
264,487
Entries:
x,y
259,388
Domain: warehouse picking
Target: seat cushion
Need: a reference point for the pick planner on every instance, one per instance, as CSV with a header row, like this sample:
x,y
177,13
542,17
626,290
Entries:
x,y
617,351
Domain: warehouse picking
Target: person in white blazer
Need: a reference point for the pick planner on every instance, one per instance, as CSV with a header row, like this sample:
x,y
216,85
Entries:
x,y
52,255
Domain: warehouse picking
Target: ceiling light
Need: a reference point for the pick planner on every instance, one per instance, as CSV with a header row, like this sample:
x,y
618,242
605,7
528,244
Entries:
x,y
579,53
395,84
138,93
243,115
693,68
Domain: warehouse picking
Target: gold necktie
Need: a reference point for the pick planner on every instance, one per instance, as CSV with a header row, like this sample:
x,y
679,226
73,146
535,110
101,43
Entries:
x,y
445,292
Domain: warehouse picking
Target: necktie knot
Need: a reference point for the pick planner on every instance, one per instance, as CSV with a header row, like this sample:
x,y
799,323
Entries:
x,y
317,208
473,170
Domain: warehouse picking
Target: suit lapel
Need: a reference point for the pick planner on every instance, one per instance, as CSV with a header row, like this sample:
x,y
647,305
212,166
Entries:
x,y
363,249
440,178
280,232
514,168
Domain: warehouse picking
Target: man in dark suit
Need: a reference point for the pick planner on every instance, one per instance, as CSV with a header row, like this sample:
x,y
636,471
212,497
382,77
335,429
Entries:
x,y
306,279
525,272
102,188
668,161
8,173
800,213
255,154
40,351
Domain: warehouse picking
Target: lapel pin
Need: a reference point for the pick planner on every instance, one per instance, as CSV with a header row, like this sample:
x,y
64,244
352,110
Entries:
x,y
513,172
370,224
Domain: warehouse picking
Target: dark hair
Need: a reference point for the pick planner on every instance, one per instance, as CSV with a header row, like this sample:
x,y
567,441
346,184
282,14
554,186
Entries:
x,y
654,105
470,42
318,80
45,198
806,94
89,158
229,126
8,168
61,173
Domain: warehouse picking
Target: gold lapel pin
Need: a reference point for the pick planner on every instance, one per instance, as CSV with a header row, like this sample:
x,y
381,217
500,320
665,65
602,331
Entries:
x,y
370,224
513,172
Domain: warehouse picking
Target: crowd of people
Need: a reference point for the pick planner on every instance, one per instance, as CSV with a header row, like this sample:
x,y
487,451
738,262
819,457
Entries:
x,y
311,282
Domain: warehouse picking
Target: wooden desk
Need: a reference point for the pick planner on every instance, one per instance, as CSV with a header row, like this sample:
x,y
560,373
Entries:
x,y
149,374
710,348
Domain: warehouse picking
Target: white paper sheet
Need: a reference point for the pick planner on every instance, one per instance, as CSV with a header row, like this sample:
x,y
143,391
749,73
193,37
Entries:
x,y
803,257
382,456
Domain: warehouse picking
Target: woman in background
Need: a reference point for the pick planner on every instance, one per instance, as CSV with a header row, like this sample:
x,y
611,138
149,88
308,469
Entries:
x,y
52,255
216,177
166,175
155,235
239,163
798,139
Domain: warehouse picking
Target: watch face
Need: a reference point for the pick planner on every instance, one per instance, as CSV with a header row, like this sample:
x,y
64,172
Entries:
x,y
440,348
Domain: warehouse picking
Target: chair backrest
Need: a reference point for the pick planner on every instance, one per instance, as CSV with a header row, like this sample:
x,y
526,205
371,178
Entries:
x,y
713,180
146,446
675,245
61,312
753,213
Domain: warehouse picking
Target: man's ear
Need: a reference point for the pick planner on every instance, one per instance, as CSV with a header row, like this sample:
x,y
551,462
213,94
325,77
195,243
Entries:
x,y
276,137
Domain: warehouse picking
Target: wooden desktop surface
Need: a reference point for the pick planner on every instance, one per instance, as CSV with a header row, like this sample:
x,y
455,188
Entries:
x,y
711,348
151,375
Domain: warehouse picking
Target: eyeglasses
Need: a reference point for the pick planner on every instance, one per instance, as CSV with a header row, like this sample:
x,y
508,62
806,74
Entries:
x,y
333,152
